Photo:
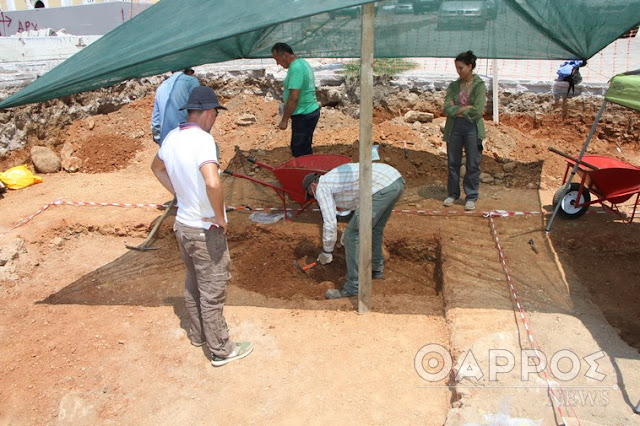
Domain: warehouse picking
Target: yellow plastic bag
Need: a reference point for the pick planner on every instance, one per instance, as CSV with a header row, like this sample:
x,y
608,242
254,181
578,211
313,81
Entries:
x,y
19,177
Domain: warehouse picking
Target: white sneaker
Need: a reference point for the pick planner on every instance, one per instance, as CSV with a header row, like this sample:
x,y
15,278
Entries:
x,y
470,205
449,201
241,350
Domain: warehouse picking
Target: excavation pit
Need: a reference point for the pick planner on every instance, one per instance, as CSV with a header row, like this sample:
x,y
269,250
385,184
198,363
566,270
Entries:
x,y
264,274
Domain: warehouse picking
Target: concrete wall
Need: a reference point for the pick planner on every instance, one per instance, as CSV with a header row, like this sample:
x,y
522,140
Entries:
x,y
95,19
25,59
14,49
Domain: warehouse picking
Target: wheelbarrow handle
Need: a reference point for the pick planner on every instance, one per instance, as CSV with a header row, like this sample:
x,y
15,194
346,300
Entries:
x,y
256,162
260,164
575,160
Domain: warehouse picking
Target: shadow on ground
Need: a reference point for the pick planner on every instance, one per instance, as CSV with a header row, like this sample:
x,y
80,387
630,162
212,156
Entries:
x,y
602,253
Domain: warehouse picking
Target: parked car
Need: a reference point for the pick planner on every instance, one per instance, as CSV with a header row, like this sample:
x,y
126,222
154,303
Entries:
x,y
353,12
404,6
389,6
462,14
421,6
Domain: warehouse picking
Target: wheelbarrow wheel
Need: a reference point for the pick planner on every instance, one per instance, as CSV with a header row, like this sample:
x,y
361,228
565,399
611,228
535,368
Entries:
x,y
568,199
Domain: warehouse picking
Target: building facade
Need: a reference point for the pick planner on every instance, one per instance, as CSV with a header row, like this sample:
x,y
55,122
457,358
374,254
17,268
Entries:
x,y
13,5
79,19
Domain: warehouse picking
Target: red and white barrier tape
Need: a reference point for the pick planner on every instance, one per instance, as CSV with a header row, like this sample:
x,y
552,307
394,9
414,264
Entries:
x,y
90,204
27,219
71,203
523,317
492,213
93,204
502,213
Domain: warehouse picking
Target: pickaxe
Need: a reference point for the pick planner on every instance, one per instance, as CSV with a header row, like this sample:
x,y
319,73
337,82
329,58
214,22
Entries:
x,y
304,269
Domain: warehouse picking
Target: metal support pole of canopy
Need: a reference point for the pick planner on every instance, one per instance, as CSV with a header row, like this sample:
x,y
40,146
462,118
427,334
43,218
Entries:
x,y
496,101
575,167
366,136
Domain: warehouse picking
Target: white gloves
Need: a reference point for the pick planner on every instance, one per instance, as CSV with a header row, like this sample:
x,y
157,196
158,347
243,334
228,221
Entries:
x,y
325,258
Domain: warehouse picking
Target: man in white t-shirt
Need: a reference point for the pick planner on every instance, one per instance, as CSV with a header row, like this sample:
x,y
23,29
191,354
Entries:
x,y
187,164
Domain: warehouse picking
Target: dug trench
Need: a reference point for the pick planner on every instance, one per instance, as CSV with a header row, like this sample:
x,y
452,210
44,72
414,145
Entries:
x,y
263,270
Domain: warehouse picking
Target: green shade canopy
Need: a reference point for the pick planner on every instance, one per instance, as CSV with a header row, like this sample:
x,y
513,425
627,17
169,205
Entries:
x,y
174,34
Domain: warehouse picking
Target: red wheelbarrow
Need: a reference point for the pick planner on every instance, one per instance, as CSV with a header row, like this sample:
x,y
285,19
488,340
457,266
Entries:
x,y
291,174
612,181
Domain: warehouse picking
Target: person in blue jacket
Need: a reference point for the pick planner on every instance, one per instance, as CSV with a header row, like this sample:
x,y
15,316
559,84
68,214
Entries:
x,y
570,71
172,94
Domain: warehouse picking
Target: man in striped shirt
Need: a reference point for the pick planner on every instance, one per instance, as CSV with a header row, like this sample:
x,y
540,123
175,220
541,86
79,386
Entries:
x,y
339,189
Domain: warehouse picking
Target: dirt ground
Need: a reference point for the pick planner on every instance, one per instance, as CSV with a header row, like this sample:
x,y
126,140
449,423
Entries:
x,y
94,332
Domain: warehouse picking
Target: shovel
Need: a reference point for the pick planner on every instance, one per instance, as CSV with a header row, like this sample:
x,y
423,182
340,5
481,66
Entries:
x,y
144,246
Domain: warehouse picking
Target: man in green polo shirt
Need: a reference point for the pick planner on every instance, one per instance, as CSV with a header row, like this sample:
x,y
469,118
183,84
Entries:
x,y
300,102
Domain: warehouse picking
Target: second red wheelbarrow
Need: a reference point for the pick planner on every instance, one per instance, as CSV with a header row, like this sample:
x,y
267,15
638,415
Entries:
x,y
610,180
291,174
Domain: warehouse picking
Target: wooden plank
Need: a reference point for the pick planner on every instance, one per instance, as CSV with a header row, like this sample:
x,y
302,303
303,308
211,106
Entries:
x,y
366,137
